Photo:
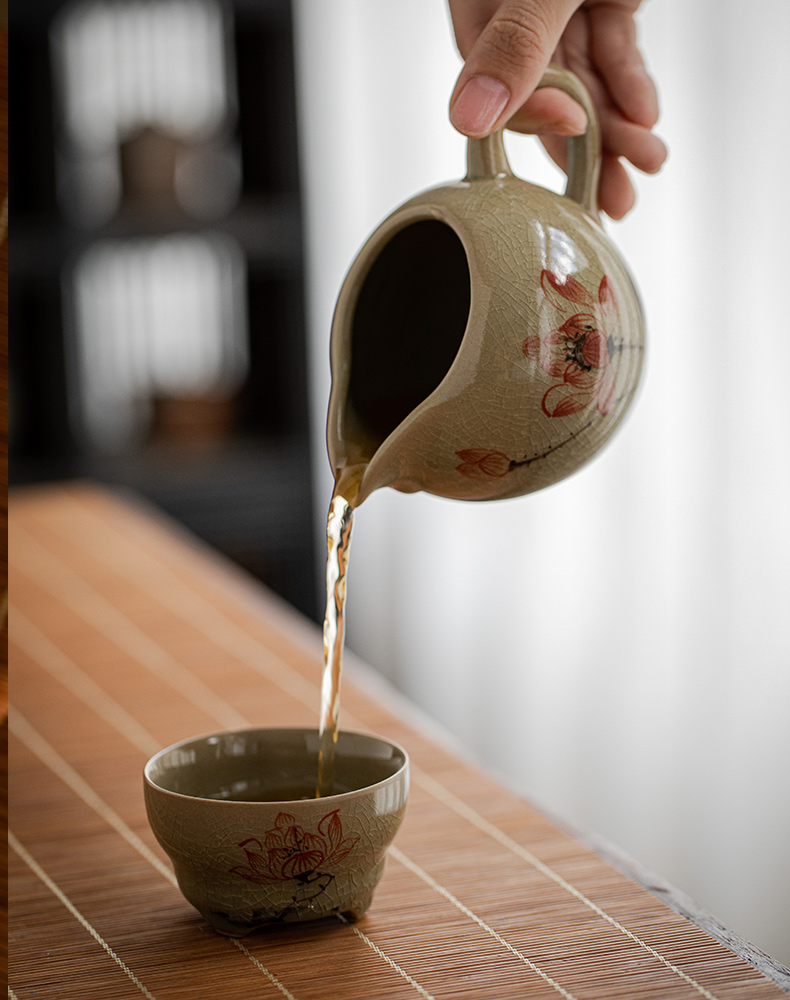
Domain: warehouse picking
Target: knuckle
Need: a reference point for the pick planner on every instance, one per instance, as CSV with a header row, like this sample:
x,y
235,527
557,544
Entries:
x,y
516,38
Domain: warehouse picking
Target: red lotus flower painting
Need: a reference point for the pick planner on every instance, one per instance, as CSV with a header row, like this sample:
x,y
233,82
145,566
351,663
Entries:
x,y
577,355
577,352
287,851
480,463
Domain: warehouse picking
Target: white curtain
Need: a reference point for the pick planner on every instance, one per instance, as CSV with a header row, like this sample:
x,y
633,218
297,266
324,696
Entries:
x,y
618,646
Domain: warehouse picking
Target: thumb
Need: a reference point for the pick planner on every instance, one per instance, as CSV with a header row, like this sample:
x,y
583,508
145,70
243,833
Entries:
x,y
506,63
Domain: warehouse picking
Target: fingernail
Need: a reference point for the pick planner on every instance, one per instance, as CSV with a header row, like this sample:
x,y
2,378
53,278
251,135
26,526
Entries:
x,y
480,103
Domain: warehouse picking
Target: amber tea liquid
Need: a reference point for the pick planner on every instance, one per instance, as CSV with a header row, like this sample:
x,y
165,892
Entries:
x,y
338,538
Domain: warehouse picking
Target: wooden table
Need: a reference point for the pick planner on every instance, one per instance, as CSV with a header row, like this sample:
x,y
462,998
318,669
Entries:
x,y
126,636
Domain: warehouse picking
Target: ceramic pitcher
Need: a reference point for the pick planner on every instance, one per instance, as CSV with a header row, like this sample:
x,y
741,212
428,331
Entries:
x,y
488,339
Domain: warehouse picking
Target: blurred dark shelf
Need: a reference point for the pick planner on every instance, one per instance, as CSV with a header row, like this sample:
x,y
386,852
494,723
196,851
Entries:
x,y
251,498
268,231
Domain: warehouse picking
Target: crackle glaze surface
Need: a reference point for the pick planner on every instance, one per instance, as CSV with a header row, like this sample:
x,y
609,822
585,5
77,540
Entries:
x,y
552,351
245,864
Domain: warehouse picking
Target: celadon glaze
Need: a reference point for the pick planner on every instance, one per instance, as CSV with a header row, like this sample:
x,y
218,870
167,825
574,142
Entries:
x,y
549,357
246,864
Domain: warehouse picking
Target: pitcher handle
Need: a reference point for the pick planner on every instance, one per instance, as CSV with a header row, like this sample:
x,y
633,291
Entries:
x,y
486,158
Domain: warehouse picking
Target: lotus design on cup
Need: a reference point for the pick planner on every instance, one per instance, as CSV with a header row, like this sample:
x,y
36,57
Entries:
x,y
289,852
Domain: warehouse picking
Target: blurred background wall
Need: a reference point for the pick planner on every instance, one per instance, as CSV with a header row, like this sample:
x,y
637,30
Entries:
x,y
190,181
618,646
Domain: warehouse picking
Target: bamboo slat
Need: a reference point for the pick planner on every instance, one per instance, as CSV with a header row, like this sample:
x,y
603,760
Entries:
x,y
126,636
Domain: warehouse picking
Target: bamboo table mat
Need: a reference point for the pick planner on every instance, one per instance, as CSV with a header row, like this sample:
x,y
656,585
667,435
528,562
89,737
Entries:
x,y
126,636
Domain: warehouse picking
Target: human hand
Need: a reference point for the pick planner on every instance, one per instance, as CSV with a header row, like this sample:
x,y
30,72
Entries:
x,y
507,45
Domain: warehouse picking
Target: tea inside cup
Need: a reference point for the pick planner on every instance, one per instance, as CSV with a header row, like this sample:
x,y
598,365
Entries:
x,y
251,844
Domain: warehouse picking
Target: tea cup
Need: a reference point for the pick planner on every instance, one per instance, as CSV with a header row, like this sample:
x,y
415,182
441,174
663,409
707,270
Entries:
x,y
250,842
